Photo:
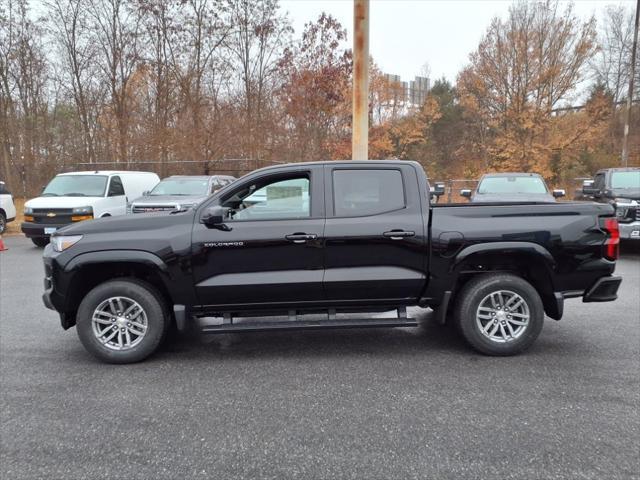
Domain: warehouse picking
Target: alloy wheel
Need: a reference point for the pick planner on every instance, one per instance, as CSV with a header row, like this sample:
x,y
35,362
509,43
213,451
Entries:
x,y
119,323
502,316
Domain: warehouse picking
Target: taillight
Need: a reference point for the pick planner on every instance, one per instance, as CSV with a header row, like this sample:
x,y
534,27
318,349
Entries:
x,y
612,243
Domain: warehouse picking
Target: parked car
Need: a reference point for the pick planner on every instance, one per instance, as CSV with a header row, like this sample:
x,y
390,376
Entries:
x,y
351,236
179,191
512,187
621,188
436,190
7,208
77,196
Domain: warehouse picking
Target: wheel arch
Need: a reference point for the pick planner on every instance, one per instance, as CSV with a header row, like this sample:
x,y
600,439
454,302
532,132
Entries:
x,y
89,270
528,260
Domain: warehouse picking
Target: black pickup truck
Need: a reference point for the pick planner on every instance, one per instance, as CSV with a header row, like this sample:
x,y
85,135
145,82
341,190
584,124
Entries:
x,y
619,187
320,240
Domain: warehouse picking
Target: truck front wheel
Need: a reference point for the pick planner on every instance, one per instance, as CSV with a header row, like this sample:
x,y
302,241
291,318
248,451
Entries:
x,y
122,321
499,314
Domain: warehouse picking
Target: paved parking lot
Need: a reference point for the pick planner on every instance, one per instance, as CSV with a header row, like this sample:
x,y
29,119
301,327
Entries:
x,y
405,403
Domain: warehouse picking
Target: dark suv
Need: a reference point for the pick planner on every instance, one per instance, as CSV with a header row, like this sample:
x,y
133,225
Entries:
x,y
621,188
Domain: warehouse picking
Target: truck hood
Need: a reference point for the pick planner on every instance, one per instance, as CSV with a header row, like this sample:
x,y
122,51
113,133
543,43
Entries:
x,y
60,202
630,193
513,197
164,200
126,223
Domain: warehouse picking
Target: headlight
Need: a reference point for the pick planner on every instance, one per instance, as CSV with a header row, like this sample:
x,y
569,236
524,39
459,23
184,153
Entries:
x,y
183,206
79,214
28,210
83,211
62,242
622,206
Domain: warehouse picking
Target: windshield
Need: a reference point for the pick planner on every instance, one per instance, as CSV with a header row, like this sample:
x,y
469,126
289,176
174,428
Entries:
x,y
76,186
512,185
181,186
630,179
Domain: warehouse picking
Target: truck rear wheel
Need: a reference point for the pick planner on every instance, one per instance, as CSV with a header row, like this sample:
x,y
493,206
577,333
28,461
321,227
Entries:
x,y
499,314
122,321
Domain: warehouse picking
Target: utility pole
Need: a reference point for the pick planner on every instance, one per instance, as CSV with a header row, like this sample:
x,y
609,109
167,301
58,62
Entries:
x,y
634,48
360,122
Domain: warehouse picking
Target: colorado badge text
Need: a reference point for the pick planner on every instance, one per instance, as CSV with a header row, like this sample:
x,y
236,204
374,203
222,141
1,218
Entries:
x,y
223,244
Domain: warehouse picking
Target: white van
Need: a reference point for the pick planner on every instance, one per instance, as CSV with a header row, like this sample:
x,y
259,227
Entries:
x,y
76,196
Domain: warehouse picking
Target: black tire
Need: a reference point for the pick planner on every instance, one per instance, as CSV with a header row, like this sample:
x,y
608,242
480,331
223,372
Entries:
x,y
475,292
155,309
40,241
3,223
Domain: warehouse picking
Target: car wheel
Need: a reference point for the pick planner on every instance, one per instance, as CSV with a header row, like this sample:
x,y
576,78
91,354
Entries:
x,y
40,241
3,223
499,314
122,321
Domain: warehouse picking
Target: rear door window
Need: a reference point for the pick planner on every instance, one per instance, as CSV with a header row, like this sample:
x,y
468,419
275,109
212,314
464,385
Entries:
x,y
365,192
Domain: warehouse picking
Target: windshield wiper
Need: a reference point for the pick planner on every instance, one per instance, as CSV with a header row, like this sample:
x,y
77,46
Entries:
x,y
49,195
75,194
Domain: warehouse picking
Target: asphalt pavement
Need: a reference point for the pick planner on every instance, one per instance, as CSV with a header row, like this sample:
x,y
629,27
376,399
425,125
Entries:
x,y
399,403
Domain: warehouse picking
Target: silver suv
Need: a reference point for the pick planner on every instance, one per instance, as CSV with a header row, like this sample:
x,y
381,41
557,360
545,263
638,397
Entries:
x,y
179,191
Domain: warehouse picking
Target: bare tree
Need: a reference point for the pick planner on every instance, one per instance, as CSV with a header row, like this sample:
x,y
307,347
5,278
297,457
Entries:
x,y
71,29
24,78
259,38
117,35
612,65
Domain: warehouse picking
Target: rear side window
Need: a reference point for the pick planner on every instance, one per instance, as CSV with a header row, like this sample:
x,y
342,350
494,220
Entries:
x,y
115,187
359,193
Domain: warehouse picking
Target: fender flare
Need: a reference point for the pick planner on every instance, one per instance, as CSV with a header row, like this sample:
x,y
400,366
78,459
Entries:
x,y
113,256
553,301
529,248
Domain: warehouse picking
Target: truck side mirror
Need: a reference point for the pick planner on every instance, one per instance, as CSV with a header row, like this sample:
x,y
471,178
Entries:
x,y
213,217
438,189
559,193
146,193
588,188
465,192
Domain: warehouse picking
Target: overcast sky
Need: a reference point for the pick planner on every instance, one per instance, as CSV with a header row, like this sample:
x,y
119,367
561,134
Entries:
x,y
404,34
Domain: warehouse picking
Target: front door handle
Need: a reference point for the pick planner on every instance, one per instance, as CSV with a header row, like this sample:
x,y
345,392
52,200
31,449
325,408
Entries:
x,y
301,237
398,234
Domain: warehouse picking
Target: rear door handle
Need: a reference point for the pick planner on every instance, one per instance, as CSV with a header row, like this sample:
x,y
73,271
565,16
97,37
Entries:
x,y
301,237
398,234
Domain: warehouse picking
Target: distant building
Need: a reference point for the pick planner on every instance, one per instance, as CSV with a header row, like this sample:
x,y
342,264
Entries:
x,y
411,93
418,90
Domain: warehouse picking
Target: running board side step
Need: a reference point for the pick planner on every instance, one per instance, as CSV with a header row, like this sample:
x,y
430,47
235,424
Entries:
x,y
309,325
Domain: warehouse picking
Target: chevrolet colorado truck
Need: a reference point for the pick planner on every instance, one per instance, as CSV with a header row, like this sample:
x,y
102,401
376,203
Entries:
x,y
308,242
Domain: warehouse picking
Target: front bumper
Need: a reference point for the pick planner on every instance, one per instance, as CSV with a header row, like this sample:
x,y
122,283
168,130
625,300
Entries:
x,y
629,231
51,298
604,290
35,230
